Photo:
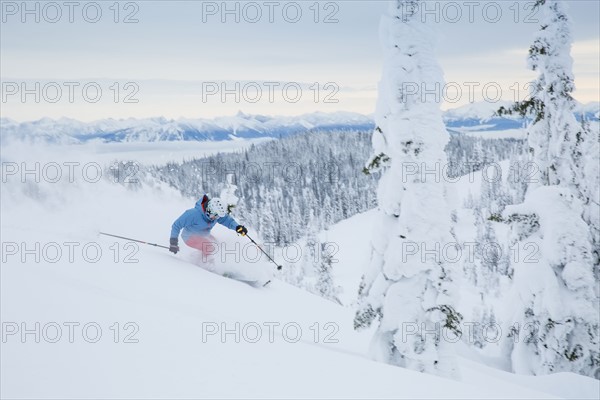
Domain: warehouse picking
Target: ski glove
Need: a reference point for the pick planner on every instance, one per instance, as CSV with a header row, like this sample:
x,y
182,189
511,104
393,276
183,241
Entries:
x,y
241,229
174,248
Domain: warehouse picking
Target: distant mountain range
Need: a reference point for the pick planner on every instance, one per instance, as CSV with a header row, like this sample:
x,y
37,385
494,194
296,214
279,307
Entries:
x,y
474,117
479,117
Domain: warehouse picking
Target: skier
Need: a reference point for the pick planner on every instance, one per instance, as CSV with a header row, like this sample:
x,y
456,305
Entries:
x,y
197,223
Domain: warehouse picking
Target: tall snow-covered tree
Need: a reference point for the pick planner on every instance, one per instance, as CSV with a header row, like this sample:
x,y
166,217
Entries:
x,y
588,152
555,133
563,150
556,291
410,292
555,298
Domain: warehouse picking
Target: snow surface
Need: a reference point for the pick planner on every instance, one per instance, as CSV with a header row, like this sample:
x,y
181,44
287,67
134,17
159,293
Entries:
x,y
173,302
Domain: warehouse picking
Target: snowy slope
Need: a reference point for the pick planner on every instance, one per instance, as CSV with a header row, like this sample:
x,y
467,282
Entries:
x,y
164,304
169,299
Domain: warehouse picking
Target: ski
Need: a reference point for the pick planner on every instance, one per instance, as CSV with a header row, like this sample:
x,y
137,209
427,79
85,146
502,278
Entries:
x,y
254,283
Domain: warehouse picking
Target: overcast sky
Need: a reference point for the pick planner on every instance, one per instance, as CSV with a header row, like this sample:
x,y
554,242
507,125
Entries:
x,y
179,55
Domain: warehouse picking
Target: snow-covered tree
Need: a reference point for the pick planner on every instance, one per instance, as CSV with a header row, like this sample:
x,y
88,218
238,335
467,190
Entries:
x,y
410,292
588,152
554,135
564,150
228,193
556,291
317,267
555,299
516,182
325,285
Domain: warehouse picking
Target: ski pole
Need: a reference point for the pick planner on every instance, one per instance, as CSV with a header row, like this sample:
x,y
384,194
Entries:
x,y
264,252
134,240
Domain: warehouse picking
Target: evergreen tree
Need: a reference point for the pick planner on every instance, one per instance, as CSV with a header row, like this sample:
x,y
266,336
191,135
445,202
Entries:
x,y
554,136
556,291
404,290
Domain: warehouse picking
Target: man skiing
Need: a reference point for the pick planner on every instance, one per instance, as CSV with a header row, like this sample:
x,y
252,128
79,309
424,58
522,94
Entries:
x,y
197,223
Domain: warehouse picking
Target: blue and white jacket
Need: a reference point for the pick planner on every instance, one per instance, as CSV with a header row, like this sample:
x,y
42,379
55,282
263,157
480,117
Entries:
x,y
195,222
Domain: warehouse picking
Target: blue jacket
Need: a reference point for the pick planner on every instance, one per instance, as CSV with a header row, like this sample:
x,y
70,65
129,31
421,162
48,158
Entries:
x,y
194,222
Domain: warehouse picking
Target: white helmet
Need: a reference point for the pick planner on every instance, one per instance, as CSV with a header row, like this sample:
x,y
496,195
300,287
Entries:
x,y
215,208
